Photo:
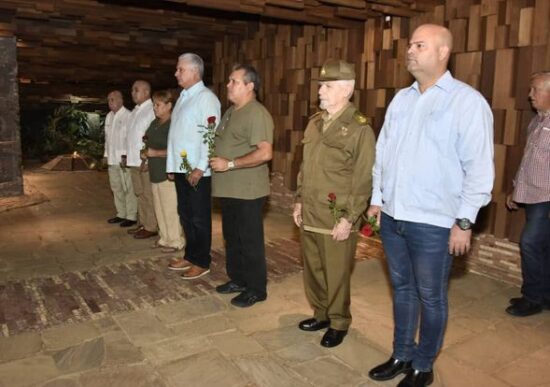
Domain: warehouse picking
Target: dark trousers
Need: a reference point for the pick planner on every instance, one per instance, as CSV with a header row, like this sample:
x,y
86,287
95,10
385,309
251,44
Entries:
x,y
243,231
535,253
195,212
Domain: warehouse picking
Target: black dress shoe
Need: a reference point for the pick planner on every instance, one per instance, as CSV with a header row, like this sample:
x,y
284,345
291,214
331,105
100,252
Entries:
x,y
523,308
312,324
247,298
116,219
515,300
230,287
389,369
417,378
127,223
333,337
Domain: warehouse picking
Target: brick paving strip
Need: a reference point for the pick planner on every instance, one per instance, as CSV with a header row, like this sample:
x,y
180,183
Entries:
x,y
38,303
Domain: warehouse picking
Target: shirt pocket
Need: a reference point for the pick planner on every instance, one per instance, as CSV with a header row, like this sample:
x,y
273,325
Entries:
x,y
544,139
438,130
336,155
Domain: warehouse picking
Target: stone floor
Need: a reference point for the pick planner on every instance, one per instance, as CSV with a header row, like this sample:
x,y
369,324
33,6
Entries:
x,y
84,304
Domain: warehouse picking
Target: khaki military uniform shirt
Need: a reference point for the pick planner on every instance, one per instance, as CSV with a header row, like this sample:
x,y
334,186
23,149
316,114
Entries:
x,y
336,160
238,134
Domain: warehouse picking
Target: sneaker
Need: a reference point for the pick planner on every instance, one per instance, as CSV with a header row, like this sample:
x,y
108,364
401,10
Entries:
x,y
180,265
194,272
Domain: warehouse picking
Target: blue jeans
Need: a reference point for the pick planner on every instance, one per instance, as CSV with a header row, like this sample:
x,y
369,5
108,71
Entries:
x,y
535,253
419,265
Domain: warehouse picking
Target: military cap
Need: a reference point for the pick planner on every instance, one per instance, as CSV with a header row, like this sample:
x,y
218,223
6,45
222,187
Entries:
x,y
335,70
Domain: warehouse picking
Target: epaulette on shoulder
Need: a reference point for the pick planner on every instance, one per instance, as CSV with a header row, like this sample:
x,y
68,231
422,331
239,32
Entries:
x,y
316,114
361,118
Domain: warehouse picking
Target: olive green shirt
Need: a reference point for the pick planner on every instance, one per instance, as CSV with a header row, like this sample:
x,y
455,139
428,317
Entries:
x,y
157,138
238,133
338,160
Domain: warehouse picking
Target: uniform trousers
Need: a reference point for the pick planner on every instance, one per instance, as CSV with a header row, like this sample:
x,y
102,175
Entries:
x,y
166,210
142,189
327,272
123,192
243,231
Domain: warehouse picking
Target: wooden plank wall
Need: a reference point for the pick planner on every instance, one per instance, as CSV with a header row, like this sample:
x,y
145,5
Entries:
x,y
498,44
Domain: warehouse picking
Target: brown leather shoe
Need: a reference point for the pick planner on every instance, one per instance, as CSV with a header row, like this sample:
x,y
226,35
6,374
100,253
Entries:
x,y
194,272
143,234
180,265
134,229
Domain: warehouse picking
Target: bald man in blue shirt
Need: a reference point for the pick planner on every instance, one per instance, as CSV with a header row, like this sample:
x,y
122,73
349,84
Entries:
x,y
433,172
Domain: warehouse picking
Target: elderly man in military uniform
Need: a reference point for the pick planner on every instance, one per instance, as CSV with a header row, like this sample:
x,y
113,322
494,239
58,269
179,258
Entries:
x,y
334,186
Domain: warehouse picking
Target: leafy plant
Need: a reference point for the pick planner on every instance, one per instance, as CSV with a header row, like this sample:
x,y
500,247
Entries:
x,y
69,129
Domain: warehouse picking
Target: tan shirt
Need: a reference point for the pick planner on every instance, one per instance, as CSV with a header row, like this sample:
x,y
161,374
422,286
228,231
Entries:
x,y
237,135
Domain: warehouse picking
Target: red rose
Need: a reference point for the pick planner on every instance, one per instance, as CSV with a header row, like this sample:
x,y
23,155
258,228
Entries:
x,y
211,120
367,230
332,197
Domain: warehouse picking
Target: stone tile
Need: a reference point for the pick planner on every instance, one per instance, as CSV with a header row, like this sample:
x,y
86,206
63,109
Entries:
x,y
203,369
28,371
123,376
68,335
19,346
328,372
62,382
358,353
187,310
288,314
452,373
87,355
530,370
265,371
235,343
300,353
204,326
119,350
106,325
496,348
175,348
143,327
276,339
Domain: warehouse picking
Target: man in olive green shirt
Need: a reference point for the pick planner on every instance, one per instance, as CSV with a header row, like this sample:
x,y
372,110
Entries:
x,y
334,185
243,146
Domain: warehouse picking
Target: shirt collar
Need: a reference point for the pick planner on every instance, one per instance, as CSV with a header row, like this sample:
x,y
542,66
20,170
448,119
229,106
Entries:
x,y
194,89
142,104
445,83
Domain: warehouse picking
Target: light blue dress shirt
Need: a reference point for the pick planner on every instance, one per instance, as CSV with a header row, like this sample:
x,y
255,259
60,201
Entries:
x,y
434,155
192,109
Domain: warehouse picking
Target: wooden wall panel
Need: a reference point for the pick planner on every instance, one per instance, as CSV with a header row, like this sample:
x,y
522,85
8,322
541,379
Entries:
x,y
498,44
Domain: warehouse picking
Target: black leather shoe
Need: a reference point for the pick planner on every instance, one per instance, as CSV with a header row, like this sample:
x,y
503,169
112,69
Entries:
x,y
389,369
515,300
246,299
523,308
333,337
312,324
230,287
127,223
417,378
116,219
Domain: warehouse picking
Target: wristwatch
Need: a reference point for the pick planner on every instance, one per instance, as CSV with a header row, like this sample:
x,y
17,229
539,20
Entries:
x,y
464,224
231,164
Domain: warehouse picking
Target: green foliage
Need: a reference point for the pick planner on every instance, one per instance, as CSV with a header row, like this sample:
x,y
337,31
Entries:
x,y
69,129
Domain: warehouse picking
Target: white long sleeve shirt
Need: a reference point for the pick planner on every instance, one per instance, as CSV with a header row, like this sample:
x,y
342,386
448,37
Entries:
x,y
116,130
140,119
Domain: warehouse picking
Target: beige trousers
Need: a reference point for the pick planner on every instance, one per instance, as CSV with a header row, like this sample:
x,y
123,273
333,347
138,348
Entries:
x,y
123,192
166,209
142,189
